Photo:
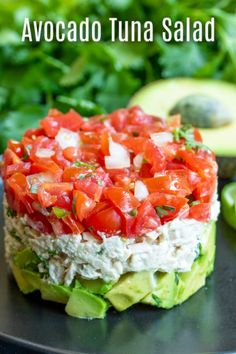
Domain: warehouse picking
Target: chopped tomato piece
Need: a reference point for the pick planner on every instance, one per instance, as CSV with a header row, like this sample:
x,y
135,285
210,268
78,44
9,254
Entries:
x,y
75,226
50,193
121,199
107,220
147,219
17,147
171,204
155,156
200,212
83,205
56,120
173,183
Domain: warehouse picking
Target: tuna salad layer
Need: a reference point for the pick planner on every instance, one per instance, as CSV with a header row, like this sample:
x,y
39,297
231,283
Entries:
x,y
173,247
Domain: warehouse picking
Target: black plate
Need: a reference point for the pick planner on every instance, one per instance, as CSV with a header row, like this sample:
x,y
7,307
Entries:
x,y
205,323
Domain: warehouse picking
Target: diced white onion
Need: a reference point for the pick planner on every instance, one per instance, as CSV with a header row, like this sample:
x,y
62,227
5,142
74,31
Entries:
x,y
66,138
113,162
137,161
140,190
162,138
118,150
119,156
44,153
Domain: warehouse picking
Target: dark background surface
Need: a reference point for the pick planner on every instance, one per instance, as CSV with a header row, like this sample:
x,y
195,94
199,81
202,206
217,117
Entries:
x,y
204,324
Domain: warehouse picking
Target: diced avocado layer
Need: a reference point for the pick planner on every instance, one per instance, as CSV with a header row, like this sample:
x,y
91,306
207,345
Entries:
x,y
91,298
174,288
130,289
83,304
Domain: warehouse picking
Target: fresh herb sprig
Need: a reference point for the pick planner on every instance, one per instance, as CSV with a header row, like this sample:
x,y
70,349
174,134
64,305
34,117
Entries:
x,y
187,132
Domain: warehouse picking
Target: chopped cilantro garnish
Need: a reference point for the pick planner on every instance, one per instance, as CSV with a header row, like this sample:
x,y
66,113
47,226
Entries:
x,y
11,213
163,210
157,300
176,278
34,188
135,134
59,212
133,212
14,234
83,164
195,202
100,183
187,132
198,251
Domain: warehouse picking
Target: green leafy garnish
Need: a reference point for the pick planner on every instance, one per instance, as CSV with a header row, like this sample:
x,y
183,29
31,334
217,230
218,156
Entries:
x,y
14,234
83,164
11,213
195,202
163,210
135,134
177,278
187,132
59,212
157,300
198,251
133,212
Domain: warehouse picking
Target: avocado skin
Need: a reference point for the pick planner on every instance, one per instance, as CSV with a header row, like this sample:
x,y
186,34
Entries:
x,y
172,290
83,304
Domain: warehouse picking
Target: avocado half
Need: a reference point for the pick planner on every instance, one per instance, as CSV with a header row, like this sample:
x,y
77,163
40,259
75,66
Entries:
x,y
160,97
91,298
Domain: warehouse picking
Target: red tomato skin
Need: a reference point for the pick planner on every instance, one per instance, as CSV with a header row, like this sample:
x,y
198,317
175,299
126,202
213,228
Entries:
x,y
121,199
17,147
118,119
83,205
74,225
147,219
50,194
155,156
107,220
200,212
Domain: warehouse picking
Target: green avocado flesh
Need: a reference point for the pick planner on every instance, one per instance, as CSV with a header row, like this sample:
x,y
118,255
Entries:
x,y
160,97
92,298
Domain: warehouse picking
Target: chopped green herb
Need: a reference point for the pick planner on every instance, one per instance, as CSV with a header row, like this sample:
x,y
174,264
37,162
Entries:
x,y
195,202
135,134
83,164
103,119
52,252
34,188
100,253
133,212
177,278
14,234
100,183
25,155
11,213
187,132
198,251
163,210
157,300
74,205
59,212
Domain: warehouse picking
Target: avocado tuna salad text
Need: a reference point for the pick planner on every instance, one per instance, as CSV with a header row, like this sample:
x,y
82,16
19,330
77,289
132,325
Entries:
x,y
112,210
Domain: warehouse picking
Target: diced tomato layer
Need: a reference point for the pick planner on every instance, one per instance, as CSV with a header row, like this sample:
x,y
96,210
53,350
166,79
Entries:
x,y
38,174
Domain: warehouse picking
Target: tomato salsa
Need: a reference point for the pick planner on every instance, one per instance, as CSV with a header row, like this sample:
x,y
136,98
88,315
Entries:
x,y
123,173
